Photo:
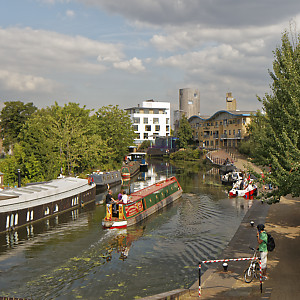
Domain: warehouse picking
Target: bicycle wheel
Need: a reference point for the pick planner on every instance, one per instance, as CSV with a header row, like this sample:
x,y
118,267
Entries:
x,y
248,275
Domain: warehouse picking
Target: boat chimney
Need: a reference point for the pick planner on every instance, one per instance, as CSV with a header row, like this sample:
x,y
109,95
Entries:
x,y
19,178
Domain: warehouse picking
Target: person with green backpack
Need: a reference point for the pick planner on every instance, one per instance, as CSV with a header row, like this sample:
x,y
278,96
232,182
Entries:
x,y
262,239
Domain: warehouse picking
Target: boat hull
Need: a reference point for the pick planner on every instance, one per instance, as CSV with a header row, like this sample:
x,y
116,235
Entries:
x,y
247,194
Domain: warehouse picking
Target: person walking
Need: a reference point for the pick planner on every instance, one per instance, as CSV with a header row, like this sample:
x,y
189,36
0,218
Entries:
x,y
262,239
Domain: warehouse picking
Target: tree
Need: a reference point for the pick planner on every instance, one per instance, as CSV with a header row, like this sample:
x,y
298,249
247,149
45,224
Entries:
x,y
276,132
115,127
13,116
63,140
185,133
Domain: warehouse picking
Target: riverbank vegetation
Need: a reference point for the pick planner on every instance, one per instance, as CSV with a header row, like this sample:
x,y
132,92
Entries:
x,y
67,140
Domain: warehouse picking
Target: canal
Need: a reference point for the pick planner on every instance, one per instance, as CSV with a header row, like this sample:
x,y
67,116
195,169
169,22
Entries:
x,y
72,257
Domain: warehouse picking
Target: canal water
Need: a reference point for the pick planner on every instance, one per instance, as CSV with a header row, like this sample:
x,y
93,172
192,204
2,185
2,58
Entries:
x,y
72,257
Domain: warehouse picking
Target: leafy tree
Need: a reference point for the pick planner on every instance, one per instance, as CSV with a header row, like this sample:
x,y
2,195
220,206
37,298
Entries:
x,y
185,133
145,145
13,116
276,132
115,127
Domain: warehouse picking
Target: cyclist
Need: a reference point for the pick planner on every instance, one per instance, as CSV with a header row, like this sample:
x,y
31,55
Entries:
x,y
262,239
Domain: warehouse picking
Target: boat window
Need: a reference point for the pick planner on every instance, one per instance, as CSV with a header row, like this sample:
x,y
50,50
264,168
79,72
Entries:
x,y
11,220
16,219
7,222
47,211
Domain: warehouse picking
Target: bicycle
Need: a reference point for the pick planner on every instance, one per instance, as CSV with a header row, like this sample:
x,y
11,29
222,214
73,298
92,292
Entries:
x,y
253,270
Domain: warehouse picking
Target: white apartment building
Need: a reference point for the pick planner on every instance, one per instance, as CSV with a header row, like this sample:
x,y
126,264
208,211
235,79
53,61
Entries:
x,y
150,120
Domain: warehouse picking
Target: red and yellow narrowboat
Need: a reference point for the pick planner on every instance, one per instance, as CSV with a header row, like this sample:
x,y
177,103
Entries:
x,y
143,203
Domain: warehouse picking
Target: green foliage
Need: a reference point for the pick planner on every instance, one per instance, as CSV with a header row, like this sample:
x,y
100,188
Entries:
x,y
185,133
115,127
187,154
68,140
13,116
275,134
145,145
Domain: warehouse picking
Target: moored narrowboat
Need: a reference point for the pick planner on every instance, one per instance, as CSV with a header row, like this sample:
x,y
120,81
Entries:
x,y
105,180
28,204
141,158
130,168
143,203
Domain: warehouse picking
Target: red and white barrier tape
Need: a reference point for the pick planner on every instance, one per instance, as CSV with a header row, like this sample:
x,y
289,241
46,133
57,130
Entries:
x,y
228,259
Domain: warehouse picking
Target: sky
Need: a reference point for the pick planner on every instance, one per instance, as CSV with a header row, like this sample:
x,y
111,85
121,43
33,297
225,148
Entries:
x,y
122,52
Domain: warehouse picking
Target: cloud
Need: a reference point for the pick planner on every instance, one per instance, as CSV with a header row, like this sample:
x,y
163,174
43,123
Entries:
x,y
70,13
134,65
32,50
215,13
24,83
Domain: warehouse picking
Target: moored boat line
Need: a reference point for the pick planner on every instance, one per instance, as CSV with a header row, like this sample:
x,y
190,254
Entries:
x,y
143,203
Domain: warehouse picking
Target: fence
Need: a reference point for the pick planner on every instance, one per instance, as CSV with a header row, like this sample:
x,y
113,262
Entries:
x,y
226,260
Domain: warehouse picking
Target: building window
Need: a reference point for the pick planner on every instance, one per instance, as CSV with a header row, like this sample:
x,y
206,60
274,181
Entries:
x,y
167,121
146,111
233,132
157,128
190,102
156,111
216,123
147,127
167,128
145,136
155,120
229,132
155,134
136,120
137,136
195,95
145,120
135,127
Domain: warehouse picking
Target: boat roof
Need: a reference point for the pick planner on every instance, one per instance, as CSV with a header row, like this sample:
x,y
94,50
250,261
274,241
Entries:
x,y
137,153
151,189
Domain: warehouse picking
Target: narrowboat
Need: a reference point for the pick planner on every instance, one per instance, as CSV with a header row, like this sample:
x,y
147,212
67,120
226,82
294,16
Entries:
x,y
141,158
105,180
143,203
24,205
130,168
